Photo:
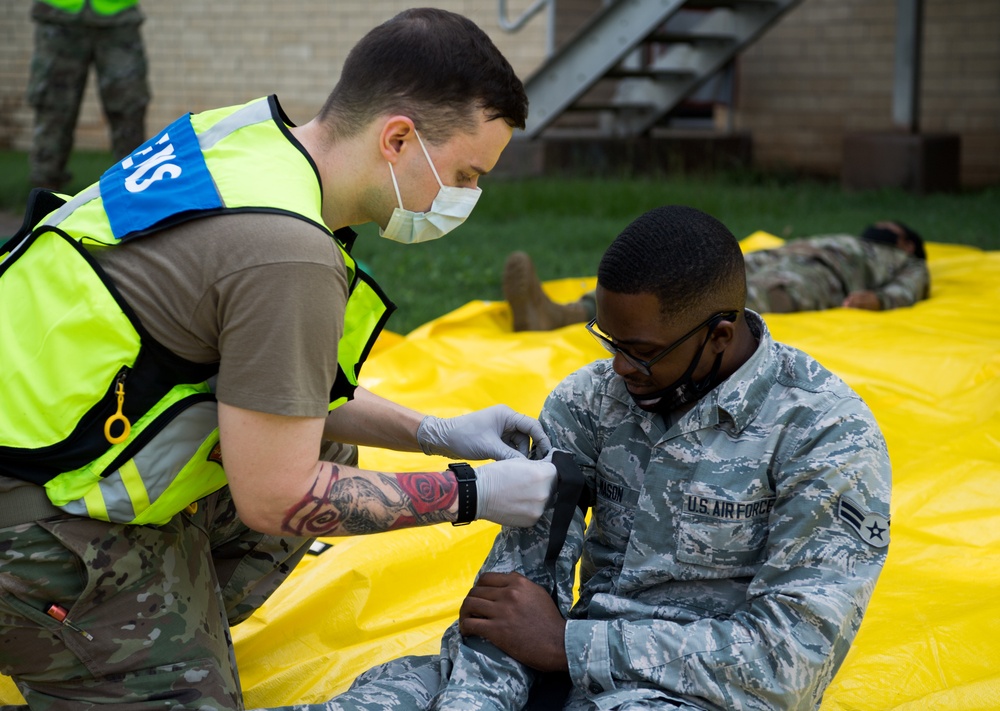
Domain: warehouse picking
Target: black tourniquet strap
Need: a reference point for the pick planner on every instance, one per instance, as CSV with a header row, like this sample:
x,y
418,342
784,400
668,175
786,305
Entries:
x,y
550,689
569,495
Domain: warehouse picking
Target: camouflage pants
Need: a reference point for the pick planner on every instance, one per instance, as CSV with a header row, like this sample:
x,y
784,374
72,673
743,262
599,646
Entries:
x,y
781,283
150,606
62,58
411,683
405,684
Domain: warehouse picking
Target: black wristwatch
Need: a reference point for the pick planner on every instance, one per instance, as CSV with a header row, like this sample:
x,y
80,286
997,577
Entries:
x,y
467,497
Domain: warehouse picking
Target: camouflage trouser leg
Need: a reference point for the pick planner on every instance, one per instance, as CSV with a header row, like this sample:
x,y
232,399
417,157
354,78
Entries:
x,y
145,601
577,701
120,62
251,565
150,607
55,88
780,284
405,684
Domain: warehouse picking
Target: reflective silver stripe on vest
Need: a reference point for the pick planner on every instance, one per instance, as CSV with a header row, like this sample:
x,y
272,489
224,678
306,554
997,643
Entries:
x,y
257,112
91,193
60,214
158,462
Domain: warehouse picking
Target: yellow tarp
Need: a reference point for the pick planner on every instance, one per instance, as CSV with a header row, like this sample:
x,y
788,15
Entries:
x,y
931,374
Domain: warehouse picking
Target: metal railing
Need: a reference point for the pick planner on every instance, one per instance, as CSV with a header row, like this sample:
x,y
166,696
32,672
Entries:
x,y
549,6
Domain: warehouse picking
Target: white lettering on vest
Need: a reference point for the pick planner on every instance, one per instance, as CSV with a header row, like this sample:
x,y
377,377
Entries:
x,y
134,182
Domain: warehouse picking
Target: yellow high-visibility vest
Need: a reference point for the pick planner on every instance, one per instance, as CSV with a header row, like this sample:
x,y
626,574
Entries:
x,y
101,7
110,422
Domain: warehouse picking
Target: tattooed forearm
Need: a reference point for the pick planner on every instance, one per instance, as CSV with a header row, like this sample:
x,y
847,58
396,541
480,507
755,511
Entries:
x,y
351,505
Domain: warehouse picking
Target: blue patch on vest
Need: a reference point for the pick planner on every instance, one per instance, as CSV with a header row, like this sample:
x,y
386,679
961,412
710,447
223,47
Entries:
x,y
164,176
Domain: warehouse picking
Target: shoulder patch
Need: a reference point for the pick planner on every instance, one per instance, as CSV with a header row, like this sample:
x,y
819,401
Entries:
x,y
872,527
164,176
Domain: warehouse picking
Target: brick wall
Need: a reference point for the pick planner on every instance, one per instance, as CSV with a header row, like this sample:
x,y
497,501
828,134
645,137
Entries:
x,y
208,54
825,70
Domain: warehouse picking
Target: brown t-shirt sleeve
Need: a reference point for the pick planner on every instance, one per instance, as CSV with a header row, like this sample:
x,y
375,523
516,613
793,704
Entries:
x,y
264,295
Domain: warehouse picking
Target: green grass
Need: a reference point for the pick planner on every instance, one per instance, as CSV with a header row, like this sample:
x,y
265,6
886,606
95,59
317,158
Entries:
x,y
86,167
566,224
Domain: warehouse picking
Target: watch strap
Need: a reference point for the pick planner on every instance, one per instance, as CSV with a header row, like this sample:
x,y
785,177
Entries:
x,y
467,492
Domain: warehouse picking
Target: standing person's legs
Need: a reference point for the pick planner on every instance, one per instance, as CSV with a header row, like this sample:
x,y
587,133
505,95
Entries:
x,y
120,62
55,89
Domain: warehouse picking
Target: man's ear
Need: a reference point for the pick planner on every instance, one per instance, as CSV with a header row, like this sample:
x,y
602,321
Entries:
x,y
722,336
396,134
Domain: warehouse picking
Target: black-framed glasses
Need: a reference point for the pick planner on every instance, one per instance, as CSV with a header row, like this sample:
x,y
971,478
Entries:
x,y
645,366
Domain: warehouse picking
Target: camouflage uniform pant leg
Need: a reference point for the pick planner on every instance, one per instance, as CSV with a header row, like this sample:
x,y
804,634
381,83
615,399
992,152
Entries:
x,y
577,701
404,684
154,604
791,284
251,565
58,76
148,630
120,63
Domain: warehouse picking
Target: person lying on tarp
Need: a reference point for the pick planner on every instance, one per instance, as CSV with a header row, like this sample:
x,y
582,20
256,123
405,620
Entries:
x,y
885,268
740,513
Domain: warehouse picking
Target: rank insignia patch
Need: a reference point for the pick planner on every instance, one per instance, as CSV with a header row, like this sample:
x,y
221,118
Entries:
x,y
872,527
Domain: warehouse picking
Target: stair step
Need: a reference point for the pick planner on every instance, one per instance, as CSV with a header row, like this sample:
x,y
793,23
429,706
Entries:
x,y
619,106
652,73
731,4
690,38
676,57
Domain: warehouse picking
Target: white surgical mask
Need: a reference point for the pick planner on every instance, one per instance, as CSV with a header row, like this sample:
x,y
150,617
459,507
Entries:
x,y
450,208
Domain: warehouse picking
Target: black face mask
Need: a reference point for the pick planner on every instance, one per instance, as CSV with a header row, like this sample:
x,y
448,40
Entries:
x,y
682,391
882,235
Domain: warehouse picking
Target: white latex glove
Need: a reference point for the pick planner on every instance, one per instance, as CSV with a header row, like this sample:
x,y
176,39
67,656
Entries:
x,y
497,432
514,492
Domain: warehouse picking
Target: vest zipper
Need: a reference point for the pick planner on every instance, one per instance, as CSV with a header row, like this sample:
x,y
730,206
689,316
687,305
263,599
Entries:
x,y
83,428
153,429
119,416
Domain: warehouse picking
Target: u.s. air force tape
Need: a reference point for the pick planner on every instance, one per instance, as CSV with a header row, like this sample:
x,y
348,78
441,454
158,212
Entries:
x,y
872,527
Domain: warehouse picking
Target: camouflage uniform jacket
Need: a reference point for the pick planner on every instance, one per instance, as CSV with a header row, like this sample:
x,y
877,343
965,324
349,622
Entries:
x,y
729,558
897,278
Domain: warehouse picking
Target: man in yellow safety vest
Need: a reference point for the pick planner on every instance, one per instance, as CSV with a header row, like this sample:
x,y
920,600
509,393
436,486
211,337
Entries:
x,y
182,337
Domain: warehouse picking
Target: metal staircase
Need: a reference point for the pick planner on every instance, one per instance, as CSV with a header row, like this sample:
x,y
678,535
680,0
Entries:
x,y
638,60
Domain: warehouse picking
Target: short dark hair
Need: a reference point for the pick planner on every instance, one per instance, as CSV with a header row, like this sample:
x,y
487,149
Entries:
x,y
431,65
874,233
688,259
